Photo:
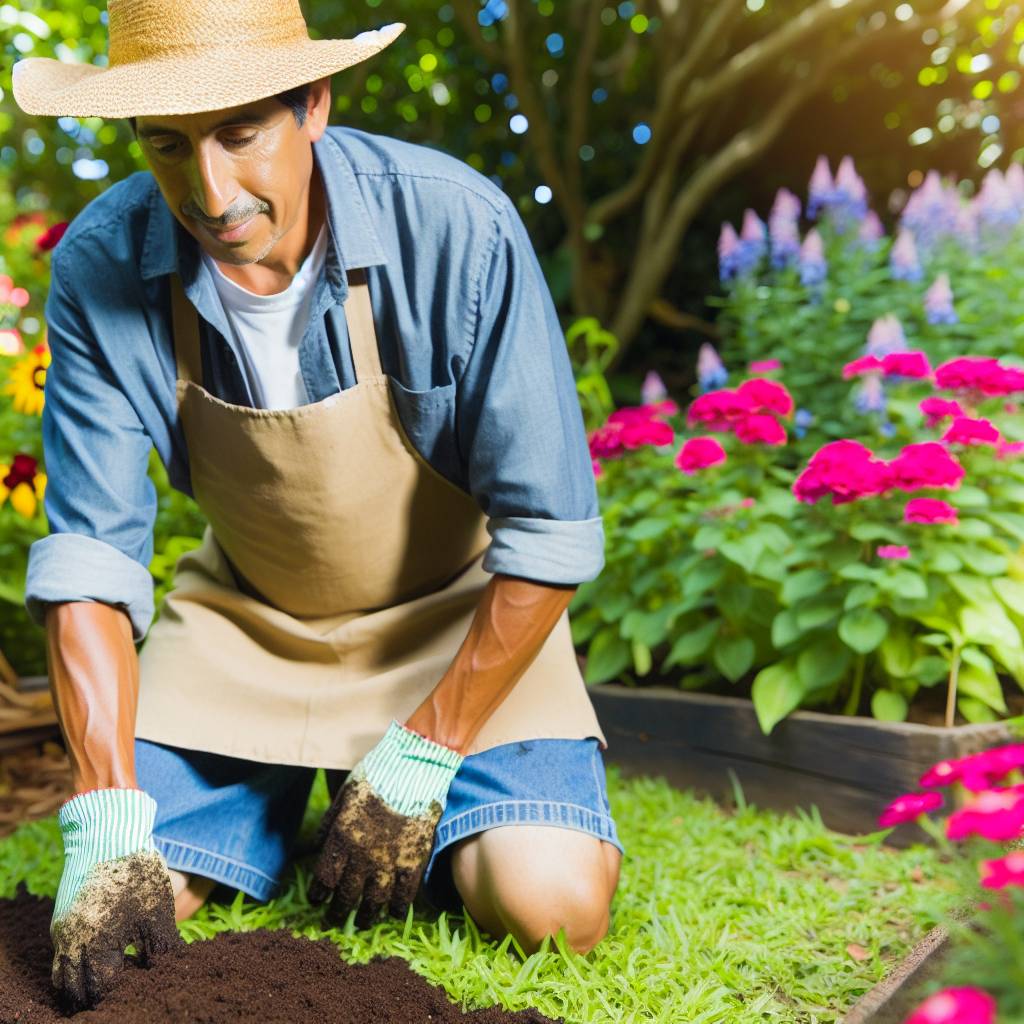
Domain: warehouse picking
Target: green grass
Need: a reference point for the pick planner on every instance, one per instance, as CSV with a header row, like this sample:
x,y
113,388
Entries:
x,y
721,915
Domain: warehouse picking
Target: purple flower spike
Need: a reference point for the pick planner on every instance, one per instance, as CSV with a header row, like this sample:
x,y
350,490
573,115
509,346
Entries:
x,y
871,230
938,302
728,253
995,205
812,259
849,201
1014,179
753,239
711,372
785,240
653,388
870,394
886,336
821,187
786,205
903,261
932,212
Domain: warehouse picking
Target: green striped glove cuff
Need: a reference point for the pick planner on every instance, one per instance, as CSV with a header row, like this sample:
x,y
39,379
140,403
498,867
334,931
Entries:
x,y
98,826
408,771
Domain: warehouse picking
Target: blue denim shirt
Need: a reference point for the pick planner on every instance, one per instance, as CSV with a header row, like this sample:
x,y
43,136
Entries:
x,y
467,330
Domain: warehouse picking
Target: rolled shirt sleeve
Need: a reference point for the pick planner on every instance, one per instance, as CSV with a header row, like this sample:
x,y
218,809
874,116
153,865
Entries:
x,y
520,428
99,500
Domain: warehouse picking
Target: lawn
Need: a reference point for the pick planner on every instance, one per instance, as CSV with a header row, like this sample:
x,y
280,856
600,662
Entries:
x,y
722,915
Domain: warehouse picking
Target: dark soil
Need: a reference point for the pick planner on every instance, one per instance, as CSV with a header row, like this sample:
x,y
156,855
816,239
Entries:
x,y
261,976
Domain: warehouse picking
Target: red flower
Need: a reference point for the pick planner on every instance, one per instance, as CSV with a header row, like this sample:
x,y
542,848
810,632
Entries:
x,y
865,364
979,373
938,409
955,1006
632,427
761,429
906,364
846,470
993,814
766,395
893,551
1004,871
719,410
927,464
699,453
967,431
909,807
51,236
930,510
22,471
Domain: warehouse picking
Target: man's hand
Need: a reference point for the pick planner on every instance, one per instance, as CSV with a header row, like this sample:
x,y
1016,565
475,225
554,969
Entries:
x,y
377,835
114,892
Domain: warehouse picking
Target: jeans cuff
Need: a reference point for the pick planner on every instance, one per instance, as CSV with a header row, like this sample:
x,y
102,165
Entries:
x,y
195,860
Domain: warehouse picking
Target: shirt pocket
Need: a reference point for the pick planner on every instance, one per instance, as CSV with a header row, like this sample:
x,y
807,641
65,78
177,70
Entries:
x,y
428,420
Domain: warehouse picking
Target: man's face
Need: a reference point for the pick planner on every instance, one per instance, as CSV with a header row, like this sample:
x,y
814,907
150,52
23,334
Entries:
x,y
246,168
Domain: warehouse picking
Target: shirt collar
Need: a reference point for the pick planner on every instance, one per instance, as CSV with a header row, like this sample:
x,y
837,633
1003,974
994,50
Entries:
x,y
352,240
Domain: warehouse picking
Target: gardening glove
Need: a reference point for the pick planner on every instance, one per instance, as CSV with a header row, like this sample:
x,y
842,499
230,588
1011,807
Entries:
x,y
115,891
377,835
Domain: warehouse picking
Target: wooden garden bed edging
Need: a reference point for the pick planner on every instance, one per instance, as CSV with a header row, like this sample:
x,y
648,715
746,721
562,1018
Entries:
x,y
850,767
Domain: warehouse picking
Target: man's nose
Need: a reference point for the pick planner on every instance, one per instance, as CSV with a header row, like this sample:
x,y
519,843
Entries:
x,y
213,187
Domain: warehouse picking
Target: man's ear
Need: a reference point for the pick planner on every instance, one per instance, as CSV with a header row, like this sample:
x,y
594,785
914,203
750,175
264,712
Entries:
x,y
318,107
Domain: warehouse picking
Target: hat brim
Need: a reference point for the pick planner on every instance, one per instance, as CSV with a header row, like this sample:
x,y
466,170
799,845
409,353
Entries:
x,y
186,84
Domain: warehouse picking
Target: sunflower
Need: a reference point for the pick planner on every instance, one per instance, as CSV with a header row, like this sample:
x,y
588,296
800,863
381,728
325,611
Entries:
x,y
28,379
25,485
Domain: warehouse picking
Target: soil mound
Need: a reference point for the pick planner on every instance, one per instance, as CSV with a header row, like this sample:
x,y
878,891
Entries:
x,y
264,976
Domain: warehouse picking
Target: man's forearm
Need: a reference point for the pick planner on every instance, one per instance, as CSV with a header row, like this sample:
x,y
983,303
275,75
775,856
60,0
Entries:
x,y
94,679
512,621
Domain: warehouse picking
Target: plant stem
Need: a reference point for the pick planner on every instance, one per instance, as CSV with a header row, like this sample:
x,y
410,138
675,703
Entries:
x,y
853,701
954,672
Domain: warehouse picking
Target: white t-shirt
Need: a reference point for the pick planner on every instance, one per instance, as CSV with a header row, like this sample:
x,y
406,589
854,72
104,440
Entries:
x,y
267,330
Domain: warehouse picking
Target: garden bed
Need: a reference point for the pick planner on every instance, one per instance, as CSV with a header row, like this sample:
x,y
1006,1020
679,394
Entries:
x,y
849,767
260,976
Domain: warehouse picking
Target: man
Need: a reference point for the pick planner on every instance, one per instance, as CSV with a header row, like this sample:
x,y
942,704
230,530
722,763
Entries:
x,y
342,347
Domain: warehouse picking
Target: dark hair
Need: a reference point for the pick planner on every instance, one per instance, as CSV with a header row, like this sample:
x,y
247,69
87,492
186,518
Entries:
x,y
294,99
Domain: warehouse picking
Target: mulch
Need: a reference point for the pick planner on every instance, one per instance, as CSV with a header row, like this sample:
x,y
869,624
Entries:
x,y
264,976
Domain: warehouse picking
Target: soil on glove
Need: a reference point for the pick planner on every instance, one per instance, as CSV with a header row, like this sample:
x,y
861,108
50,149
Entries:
x,y
264,976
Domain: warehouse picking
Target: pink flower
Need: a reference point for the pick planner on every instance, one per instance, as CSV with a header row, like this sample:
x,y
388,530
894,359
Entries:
x,y
846,470
938,409
633,426
719,410
699,453
927,464
761,429
765,365
967,431
993,814
766,395
1004,449
906,364
984,374
893,551
955,1006
909,807
929,510
643,413
596,466
865,364
1004,871
968,771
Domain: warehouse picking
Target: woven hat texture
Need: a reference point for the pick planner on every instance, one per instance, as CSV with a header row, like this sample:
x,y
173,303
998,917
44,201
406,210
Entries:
x,y
188,56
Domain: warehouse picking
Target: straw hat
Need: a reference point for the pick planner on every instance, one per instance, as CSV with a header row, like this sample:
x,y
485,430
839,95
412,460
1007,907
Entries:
x,y
187,56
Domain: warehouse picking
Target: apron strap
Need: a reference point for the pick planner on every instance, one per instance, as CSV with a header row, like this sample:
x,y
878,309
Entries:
x,y
186,333
361,333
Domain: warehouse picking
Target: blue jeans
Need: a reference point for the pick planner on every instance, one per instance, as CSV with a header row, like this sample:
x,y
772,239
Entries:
x,y
235,820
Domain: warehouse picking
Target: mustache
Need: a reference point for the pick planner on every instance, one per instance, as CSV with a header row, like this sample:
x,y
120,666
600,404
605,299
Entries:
x,y
226,222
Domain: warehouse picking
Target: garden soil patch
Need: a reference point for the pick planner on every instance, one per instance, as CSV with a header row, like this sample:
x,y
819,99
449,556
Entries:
x,y
264,976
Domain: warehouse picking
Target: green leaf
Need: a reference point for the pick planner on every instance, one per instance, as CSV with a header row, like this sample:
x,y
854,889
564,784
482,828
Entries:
x,y
858,595
968,497
607,656
818,611
824,661
641,658
909,585
776,692
983,684
648,628
706,575
872,531
733,656
860,571
862,630
974,589
975,711
648,529
708,538
734,601
785,629
897,652
614,607
989,625
889,706
944,560
802,584
1011,593
983,561
693,643
930,669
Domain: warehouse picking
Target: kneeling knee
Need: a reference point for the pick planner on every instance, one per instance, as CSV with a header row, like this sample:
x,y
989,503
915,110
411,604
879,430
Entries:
x,y
581,910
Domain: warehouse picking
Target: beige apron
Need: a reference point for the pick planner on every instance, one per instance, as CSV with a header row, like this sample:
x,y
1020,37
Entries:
x,y
336,580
